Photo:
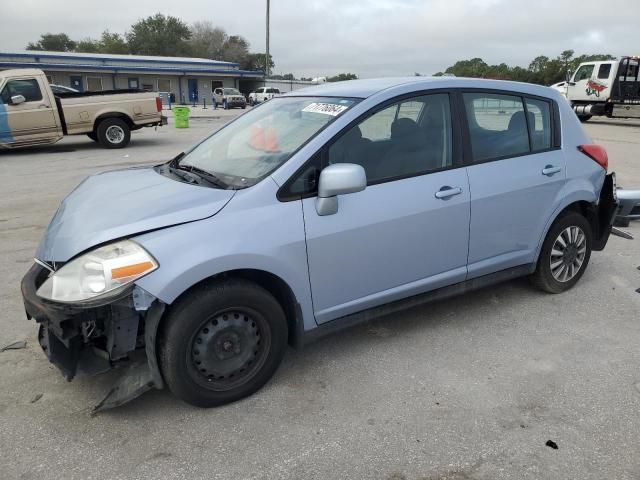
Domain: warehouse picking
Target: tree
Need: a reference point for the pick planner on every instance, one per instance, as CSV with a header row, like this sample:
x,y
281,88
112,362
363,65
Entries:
x,y
342,77
88,45
255,61
207,41
159,35
53,42
113,43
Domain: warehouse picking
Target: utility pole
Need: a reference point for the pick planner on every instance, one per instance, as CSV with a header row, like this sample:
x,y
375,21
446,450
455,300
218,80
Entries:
x,y
266,56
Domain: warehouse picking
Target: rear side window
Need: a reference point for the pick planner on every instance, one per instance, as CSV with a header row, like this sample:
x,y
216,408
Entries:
x,y
502,126
497,126
540,129
28,88
604,71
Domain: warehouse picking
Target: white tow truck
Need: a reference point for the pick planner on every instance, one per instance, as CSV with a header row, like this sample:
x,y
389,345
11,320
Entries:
x,y
605,88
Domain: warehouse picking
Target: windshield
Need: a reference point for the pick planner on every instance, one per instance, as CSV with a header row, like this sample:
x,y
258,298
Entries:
x,y
258,142
231,91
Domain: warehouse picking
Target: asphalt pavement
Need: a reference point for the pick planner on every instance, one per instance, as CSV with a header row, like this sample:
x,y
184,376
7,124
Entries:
x,y
469,388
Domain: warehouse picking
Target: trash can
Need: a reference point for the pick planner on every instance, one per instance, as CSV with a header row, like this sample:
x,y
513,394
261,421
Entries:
x,y
181,116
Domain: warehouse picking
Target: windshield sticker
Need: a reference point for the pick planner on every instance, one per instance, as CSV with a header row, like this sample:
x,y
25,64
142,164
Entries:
x,y
326,108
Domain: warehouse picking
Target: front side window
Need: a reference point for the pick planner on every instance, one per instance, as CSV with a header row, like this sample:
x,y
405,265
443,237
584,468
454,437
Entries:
x,y
408,138
584,73
258,142
28,88
497,125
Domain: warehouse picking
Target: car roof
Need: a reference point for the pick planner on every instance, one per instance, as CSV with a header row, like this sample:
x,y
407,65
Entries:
x,y
369,87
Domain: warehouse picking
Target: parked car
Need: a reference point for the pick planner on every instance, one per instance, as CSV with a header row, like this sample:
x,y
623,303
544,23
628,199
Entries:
x,y
229,98
32,114
629,200
320,209
57,89
263,94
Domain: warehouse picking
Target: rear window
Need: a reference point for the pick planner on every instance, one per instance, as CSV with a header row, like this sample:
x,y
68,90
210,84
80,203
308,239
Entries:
x,y
604,71
502,126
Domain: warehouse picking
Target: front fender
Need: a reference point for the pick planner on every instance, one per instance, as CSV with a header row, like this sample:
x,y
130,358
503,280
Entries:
x,y
269,238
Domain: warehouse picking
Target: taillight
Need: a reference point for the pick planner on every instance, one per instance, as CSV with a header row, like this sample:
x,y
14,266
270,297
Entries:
x,y
159,104
596,153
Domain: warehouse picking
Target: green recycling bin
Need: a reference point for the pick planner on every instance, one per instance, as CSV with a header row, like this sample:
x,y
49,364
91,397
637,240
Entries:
x,y
181,116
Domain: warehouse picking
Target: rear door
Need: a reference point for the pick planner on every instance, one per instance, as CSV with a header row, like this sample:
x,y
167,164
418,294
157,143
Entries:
x,y
516,172
408,231
33,121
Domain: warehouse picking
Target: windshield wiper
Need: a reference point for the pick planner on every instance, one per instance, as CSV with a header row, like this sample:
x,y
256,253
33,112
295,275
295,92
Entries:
x,y
203,174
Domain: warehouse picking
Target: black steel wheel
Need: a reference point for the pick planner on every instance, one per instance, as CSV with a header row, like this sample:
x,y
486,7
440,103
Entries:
x,y
229,348
222,342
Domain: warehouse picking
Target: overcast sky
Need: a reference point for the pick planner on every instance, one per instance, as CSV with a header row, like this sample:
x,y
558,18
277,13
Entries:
x,y
366,37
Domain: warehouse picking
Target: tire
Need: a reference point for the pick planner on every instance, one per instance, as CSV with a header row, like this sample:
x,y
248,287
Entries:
x,y
93,136
222,342
244,106
552,277
113,133
584,118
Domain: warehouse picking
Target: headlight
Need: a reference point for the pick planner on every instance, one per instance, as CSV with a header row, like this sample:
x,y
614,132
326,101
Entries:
x,y
103,272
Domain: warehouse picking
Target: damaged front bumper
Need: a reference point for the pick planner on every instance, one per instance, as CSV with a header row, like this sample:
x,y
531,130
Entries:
x,y
92,339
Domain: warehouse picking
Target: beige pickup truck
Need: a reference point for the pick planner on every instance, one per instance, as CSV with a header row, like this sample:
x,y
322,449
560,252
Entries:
x,y
31,114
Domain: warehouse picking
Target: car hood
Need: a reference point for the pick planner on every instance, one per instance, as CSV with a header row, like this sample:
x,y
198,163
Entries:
x,y
121,203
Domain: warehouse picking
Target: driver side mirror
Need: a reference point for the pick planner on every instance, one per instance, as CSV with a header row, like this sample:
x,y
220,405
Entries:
x,y
338,179
17,99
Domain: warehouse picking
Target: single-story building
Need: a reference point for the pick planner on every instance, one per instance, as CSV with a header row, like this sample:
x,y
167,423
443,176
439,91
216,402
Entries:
x,y
189,79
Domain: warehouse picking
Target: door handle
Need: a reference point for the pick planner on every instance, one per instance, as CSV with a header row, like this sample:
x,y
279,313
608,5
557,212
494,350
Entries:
x,y
551,170
446,192
43,106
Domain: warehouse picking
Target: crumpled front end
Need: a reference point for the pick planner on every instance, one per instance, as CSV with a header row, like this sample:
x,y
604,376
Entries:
x,y
94,338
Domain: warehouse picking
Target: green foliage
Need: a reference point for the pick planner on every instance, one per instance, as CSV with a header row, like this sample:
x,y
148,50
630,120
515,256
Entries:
x,y
88,45
113,43
164,36
541,70
53,42
159,35
342,76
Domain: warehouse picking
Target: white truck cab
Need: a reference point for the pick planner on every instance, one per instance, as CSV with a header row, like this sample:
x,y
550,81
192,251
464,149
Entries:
x,y
605,88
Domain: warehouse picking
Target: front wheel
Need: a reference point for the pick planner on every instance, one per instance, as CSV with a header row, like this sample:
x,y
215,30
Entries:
x,y
222,342
584,118
565,254
113,133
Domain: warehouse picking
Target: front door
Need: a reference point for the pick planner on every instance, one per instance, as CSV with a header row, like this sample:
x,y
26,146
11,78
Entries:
x,y
32,121
76,82
193,89
580,88
516,173
408,231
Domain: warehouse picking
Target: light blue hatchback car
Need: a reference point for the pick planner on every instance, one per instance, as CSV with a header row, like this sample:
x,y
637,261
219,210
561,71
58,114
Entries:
x,y
314,211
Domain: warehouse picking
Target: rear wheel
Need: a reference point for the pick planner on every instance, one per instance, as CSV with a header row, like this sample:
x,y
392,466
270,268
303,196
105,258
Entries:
x,y
584,118
113,133
565,254
222,342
